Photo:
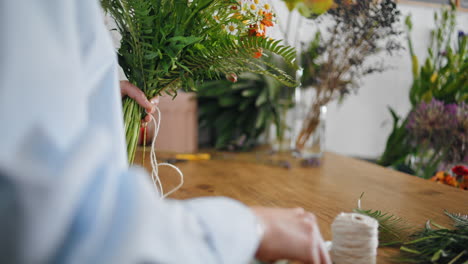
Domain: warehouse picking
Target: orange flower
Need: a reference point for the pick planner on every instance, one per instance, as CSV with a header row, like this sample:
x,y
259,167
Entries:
x,y
269,16
268,20
442,177
258,54
451,181
252,32
439,177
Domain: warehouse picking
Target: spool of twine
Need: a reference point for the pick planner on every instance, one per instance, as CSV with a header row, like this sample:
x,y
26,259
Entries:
x,y
355,239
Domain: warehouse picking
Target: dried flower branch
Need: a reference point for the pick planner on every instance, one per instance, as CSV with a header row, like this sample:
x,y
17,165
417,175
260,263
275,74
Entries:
x,y
361,31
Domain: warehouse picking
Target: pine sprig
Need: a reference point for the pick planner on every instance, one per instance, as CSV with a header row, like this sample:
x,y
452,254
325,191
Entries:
x,y
437,245
429,245
459,220
393,230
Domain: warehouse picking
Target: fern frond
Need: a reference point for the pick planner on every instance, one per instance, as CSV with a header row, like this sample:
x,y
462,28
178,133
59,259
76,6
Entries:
x,y
393,230
225,59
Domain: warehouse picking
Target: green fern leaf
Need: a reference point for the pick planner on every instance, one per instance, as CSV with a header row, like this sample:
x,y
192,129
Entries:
x,y
393,230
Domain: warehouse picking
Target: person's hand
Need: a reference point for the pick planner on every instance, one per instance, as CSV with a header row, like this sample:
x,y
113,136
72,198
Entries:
x,y
130,90
291,234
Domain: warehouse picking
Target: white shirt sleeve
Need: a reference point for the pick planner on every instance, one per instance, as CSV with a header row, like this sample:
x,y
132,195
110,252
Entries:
x,y
63,160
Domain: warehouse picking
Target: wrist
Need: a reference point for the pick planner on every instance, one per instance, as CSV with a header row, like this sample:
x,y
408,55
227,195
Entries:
x,y
261,229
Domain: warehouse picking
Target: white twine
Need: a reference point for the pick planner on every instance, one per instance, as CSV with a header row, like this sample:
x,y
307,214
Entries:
x,y
355,239
154,162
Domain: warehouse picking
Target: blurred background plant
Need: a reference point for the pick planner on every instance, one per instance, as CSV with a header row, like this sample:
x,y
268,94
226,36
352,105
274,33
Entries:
x,y
237,114
434,135
336,60
333,63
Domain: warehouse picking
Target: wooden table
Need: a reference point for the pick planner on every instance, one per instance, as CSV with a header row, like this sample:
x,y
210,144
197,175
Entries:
x,y
328,190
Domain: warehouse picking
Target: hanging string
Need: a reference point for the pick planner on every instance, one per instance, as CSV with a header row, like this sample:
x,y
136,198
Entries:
x,y
154,162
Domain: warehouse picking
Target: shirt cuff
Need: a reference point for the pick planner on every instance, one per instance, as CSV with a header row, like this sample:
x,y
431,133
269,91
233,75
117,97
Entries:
x,y
232,228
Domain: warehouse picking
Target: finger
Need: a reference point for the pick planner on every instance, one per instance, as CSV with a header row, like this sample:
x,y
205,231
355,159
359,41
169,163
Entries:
x,y
147,118
313,239
136,94
324,255
155,100
299,211
315,250
322,250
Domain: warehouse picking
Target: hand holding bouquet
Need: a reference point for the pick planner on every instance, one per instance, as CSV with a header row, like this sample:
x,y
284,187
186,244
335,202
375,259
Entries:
x,y
171,44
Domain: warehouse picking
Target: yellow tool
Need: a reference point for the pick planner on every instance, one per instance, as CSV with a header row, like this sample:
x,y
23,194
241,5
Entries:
x,y
198,156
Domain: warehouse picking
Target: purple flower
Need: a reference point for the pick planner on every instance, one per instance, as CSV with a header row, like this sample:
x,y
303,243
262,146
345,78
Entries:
x,y
442,127
461,34
427,118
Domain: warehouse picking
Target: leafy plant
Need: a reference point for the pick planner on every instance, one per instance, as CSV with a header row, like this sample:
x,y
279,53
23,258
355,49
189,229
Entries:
x,y
444,77
438,245
392,229
172,44
238,113
429,245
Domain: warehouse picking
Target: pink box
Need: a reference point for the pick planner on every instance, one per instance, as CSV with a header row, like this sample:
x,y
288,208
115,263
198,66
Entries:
x,y
179,124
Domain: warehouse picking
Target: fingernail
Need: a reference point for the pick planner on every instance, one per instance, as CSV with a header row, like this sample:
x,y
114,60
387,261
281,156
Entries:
x,y
155,100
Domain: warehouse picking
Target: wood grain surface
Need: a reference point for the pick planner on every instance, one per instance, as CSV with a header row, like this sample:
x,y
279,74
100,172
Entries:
x,y
326,191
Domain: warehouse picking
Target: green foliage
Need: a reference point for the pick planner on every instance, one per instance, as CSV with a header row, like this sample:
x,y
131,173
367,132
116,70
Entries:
x,y
167,45
459,221
440,245
171,44
443,76
429,245
238,113
309,59
398,146
393,230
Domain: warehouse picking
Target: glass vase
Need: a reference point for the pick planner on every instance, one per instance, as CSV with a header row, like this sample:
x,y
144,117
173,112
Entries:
x,y
281,135
309,127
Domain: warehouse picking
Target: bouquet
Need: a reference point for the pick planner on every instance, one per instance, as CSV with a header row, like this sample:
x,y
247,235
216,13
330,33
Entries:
x,y
171,44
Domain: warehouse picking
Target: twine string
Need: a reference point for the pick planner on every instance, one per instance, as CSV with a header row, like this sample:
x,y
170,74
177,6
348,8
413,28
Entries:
x,y
154,161
355,239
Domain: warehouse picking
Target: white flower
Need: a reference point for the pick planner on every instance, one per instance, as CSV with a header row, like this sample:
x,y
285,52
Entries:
x,y
244,9
231,28
253,7
216,16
